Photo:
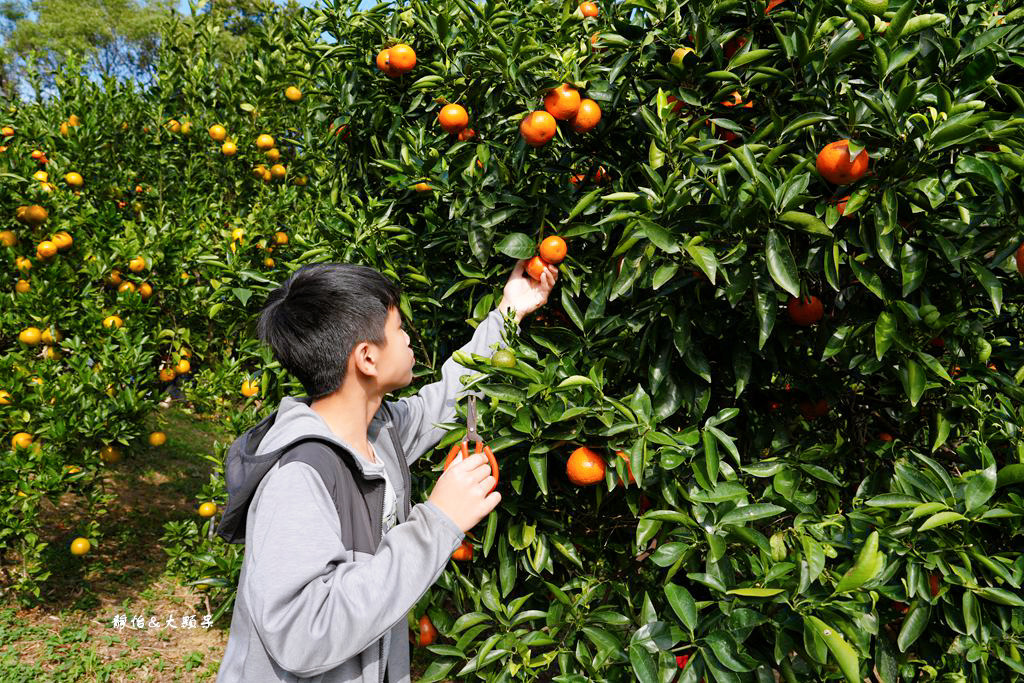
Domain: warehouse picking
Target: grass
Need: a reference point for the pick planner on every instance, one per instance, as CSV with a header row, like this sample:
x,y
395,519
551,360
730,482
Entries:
x,y
71,635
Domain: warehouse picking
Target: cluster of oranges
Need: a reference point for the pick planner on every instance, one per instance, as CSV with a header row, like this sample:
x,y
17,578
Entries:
x,y
560,104
550,252
136,265
836,166
396,60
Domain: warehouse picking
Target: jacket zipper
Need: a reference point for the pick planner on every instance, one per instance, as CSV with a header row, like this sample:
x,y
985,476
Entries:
x,y
383,503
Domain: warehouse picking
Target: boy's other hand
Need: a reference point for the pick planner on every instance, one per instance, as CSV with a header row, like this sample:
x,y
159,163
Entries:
x,y
461,491
525,294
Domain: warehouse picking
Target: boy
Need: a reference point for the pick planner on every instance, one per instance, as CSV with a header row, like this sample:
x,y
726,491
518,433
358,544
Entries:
x,y
335,555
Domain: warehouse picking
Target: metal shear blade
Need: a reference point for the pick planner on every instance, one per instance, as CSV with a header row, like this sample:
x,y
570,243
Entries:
x,y
471,423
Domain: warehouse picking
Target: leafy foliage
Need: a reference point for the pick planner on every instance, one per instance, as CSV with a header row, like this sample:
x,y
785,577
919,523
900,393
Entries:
x,y
821,501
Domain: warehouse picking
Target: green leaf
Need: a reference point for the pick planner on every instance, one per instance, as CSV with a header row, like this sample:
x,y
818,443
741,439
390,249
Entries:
x,y
941,519
980,487
914,624
1001,596
781,265
750,513
517,245
868,565
913,380
844,654
885,333
755,592
682,604
806,222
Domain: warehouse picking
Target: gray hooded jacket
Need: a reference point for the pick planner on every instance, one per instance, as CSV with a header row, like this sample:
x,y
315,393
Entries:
x,y
321,596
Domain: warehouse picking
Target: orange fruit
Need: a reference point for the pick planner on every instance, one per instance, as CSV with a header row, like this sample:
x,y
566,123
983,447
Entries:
x,y
126,287
384,63
453,118
293,93
805,311
7,131
402,58
22,287
51,335
536,267
273,155
258,170
835,165
278,172
22,264
250,387
885,436
588,116
625,456
114,278
589,9
157,439
30,336
186,128
552,249
21,440
137,264
428,634
422,187
218,132
5,397
145,290
8,238
80,546
182,367
167,374
74,120
737,100
112,321
264,141
46,249
841,204
63,128
207,509
464,552
41,176
62,239
733,45
174,126
812,410
594,40
562,102
537,128
585,467
268,262
281,237
32,215
228,149
110,454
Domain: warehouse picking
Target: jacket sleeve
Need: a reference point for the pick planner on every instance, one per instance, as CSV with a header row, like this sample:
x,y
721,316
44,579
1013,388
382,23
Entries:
x,y
414,416
312,605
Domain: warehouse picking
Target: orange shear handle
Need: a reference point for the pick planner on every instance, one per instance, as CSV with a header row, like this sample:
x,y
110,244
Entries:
x,y
463,448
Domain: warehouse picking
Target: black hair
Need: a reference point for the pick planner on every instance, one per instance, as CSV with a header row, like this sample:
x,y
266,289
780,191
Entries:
x,y
314,320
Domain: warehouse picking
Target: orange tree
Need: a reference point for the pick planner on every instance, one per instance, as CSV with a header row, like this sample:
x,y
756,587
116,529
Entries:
x,y
809,364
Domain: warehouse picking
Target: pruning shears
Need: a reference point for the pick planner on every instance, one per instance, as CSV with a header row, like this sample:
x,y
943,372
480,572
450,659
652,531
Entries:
x,y
460,449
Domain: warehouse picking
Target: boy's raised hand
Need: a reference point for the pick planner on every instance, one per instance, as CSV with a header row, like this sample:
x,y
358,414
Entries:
x,y
525,294
461,491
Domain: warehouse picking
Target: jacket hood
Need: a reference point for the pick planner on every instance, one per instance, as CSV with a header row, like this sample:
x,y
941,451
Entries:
x,y
255,453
